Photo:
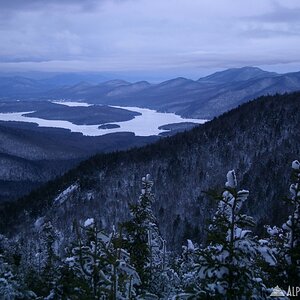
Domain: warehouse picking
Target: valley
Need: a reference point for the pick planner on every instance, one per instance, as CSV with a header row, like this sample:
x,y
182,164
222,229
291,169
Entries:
x,y
43,137
259,140
43,143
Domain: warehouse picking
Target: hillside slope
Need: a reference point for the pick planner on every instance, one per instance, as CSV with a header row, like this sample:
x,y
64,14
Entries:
x,y
32,155
258,139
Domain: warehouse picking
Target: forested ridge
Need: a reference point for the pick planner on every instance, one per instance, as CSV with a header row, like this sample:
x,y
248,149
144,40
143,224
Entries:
x,y
31,155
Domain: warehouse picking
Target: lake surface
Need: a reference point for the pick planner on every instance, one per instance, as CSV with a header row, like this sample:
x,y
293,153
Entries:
x,y
146,124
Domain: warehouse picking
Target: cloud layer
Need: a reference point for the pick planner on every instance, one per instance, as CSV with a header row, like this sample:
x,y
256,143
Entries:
x,y
148,35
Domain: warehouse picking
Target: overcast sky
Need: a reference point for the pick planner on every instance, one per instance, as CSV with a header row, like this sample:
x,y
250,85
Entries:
x,y
148,37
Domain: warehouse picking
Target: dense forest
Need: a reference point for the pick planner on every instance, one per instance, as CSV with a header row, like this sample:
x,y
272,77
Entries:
x,y
133,262
31,155
254,138
87,235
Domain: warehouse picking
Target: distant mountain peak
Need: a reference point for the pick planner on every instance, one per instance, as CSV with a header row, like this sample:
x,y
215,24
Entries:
x,y
115,82
248,68
143,82
180,79
237,74
176,82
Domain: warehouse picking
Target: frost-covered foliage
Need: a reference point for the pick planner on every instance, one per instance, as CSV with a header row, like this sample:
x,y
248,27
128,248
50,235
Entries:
x,y
11,285
133,262
185,266
10,288
41,258
34,261
98,266
147,247
292,227
226,267
285,241
274,265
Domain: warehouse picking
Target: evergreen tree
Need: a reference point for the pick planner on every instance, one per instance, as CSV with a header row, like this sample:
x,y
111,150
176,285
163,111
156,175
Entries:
x,y
185,268
40,260
97,267
11,283
292,229
285,241
226,268
146,246
274,270
50,259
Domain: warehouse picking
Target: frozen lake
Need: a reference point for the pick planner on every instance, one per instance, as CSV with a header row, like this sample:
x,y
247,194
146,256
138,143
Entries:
x,y
145,124
72,104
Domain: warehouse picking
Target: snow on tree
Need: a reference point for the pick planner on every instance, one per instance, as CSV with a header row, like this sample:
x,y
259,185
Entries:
x,y
292,228
185,268
274,264
285,241
147,248
11,285
98,266
135,264
50,259
41,259
226,268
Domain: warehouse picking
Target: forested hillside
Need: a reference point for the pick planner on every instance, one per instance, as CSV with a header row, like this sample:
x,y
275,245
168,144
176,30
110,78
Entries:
x,y
32,155
258,139
87,235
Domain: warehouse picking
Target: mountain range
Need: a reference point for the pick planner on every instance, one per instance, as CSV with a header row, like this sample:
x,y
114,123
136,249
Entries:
x,y
204,98
259,140
30,156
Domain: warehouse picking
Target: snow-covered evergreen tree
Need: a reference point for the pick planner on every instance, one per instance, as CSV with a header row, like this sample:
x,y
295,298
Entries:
x,y
50,259
274,269
185,267
292,229
40,260
226,268
98,267
11,283
147,248
285,241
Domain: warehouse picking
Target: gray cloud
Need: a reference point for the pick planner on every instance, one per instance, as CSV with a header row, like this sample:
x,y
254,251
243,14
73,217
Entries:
x,y
281,14
154,35
17,5
280,21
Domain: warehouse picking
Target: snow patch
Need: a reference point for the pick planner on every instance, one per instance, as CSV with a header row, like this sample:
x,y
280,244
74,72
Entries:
x,y
273,230
231,180
89,196
89,222
63,196
72,104
39,223
266,252
191,246
296,165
